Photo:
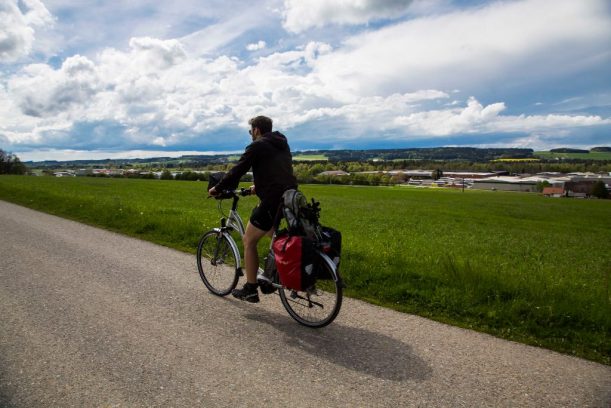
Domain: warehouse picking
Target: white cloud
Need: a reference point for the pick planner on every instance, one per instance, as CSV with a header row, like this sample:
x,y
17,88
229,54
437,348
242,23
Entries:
x,y
153,92
40,91
505,42
373,114
156,54
256,46
159,141
301,15
476,118
18,28
162,97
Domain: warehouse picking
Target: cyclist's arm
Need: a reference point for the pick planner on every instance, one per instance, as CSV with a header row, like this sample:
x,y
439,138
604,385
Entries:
x,y
232,178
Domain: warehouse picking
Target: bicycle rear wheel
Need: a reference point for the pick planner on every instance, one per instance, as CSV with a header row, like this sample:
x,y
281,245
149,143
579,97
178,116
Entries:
x,y
317,306
217,263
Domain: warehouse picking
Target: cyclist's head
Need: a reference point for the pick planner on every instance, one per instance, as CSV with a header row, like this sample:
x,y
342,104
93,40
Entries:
x,y
263,123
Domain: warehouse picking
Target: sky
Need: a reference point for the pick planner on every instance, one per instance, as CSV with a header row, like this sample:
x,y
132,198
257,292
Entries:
x,y
133,78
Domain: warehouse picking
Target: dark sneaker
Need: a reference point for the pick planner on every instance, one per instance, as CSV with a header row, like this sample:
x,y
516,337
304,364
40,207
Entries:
x,y
248,293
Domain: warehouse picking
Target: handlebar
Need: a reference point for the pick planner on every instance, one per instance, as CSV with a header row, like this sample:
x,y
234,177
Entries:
x,y
232,193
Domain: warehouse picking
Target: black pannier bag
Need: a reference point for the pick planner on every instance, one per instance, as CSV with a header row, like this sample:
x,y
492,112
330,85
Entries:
x,y
331,245
295,256
214,179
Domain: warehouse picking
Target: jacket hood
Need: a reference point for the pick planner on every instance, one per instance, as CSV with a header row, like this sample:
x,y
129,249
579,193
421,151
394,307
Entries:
x,y
277,139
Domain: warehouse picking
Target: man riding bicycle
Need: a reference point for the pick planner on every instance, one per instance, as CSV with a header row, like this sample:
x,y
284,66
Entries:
x,y
271,161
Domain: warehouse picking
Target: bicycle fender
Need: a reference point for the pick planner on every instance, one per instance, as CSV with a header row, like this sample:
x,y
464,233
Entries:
x,y
329,263
234,248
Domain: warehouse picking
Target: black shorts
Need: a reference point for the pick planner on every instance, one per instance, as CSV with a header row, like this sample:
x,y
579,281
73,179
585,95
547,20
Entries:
x,y
263,216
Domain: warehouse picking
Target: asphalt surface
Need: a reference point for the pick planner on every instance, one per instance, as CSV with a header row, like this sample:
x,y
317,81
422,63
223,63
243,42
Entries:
x,y
89,318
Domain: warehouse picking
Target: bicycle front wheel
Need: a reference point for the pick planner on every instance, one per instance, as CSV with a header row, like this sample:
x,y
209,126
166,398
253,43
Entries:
x,y
217,262
317,306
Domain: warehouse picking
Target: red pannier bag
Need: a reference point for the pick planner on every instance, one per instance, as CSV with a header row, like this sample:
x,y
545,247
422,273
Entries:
x,y
295,256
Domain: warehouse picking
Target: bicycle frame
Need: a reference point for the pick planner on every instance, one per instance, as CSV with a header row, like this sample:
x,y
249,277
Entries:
x,y
234,221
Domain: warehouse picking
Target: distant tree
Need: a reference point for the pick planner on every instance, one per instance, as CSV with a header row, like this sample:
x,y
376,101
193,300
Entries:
x,y
324,179
185,175
437,174
399,178
601,149
542,184
600,190
374,179
568,150
10,164
166,175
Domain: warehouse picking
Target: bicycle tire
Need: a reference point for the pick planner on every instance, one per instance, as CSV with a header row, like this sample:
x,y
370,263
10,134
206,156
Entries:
x,y
218,272
308,307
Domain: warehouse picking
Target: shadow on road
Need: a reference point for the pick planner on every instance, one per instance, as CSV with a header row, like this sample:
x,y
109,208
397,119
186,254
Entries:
x,y
358,349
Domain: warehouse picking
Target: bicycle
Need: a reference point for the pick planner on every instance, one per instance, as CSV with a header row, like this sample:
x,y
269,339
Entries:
x,y
220,268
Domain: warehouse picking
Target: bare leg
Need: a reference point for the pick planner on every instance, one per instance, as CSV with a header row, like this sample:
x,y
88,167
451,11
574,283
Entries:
x,y
251,238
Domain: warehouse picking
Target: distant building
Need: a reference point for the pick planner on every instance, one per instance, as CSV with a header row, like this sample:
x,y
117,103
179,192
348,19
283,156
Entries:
x,y
419,174
414,182
412,174
473,175
553,192
579,188
64,174
334,173
505,183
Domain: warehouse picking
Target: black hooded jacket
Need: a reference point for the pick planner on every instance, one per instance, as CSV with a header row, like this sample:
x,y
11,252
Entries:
x,y
272,167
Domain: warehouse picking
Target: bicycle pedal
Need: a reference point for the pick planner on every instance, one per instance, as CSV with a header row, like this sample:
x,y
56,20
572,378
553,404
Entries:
x,y
266,289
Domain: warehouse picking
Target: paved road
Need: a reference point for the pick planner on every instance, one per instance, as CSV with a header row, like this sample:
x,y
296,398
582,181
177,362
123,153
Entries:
x,y
91,318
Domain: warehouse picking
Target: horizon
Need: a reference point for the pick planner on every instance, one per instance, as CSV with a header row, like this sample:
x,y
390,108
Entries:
x,y
102,156
85,80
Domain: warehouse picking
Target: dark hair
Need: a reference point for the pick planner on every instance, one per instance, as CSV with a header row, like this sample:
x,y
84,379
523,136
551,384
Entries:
x,y
262,122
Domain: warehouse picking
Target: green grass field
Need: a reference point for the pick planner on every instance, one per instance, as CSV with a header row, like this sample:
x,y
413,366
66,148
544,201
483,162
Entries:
x,y
517,265
580,156
310,157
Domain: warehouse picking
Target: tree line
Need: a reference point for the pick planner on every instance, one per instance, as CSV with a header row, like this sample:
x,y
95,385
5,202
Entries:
x,y
10,164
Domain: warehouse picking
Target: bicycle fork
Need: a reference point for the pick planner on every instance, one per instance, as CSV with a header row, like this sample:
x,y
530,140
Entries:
x,y
219,239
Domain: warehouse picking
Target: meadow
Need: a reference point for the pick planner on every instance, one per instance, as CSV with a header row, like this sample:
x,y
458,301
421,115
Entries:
x,y
310,157
574,156
516,265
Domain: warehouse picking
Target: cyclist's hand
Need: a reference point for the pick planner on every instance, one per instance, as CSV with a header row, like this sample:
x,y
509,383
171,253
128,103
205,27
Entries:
x,y
212,192
252,189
